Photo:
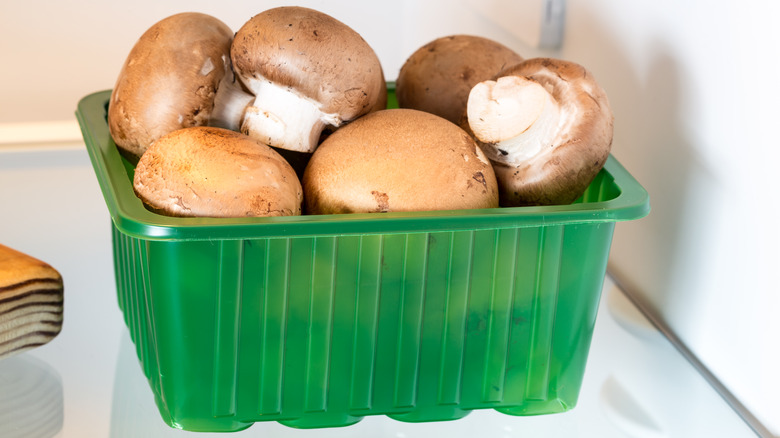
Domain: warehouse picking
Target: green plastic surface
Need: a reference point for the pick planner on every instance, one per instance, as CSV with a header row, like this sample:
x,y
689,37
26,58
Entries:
x,y
318,321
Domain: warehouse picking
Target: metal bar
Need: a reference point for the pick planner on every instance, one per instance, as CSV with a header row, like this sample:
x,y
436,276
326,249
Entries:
x,y
721,389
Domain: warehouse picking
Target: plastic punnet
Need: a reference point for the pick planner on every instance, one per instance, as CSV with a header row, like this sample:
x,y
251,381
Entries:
x,y
318,321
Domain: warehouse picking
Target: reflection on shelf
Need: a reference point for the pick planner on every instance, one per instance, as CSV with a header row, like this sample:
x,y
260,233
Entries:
x,y
636,384
31,398
134,414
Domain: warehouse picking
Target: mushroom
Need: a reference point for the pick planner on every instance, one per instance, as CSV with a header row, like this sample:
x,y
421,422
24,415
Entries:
x,y
169,80
230,103
215,172
438,76
398,160
307,70
547,126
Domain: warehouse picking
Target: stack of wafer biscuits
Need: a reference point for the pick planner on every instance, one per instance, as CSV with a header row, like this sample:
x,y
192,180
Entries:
x,y
31,302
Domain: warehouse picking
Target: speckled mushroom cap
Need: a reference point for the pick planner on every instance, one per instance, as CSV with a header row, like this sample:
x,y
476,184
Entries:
x,y
169,80
398,160
313,56
577,146
438,76
215,172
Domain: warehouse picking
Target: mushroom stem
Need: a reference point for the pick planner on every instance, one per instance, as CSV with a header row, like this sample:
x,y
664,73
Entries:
x,y
282,118
230,103
513,118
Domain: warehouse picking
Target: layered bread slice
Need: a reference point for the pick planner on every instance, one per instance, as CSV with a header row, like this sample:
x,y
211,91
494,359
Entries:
x,y
31,302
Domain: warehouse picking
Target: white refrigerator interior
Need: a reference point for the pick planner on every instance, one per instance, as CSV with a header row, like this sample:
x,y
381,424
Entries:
x,y
693,88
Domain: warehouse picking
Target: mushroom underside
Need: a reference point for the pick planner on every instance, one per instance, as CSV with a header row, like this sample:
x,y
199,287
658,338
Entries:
x,y
547,126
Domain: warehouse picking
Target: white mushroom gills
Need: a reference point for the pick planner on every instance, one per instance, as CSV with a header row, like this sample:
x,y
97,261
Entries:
x,y
282,118
516,117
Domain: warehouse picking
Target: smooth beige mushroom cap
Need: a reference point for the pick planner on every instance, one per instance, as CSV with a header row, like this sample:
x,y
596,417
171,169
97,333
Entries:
x,y
547,125
169,80
215,172
307,70
398,160
438,77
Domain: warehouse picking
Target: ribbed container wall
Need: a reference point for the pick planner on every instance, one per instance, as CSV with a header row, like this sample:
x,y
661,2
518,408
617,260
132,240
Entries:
x,y
321,331
317,321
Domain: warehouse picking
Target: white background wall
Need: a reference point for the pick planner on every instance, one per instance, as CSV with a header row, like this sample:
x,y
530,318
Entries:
x,y
694,87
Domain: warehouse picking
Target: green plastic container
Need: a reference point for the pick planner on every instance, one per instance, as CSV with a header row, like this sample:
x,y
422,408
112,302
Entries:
x,y
318,321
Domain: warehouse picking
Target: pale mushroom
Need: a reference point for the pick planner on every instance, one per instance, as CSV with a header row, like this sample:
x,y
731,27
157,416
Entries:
x,y
307,71
438,76
214,172
398,160
547,126
169,80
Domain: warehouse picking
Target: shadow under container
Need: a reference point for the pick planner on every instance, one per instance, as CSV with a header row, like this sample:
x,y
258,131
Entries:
x,y
318,321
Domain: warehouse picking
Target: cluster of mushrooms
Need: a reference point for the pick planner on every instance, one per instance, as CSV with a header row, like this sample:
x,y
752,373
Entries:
x,y
288,116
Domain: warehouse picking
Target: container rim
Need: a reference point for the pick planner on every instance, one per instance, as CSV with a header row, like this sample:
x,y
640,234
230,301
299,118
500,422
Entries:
x,y
132,218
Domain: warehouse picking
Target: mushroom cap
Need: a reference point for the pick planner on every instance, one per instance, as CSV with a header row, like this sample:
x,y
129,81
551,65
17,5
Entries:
x,y
560,172
314,54
438,76
169,80
398,160
215,172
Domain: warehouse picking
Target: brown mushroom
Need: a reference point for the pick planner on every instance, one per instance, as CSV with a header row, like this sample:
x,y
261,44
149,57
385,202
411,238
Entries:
x,y
547,126
398,160
169,80
307,70
438,76
215,172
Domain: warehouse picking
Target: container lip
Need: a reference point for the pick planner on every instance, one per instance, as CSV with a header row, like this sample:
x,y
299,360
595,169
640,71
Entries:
x,y
132,218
